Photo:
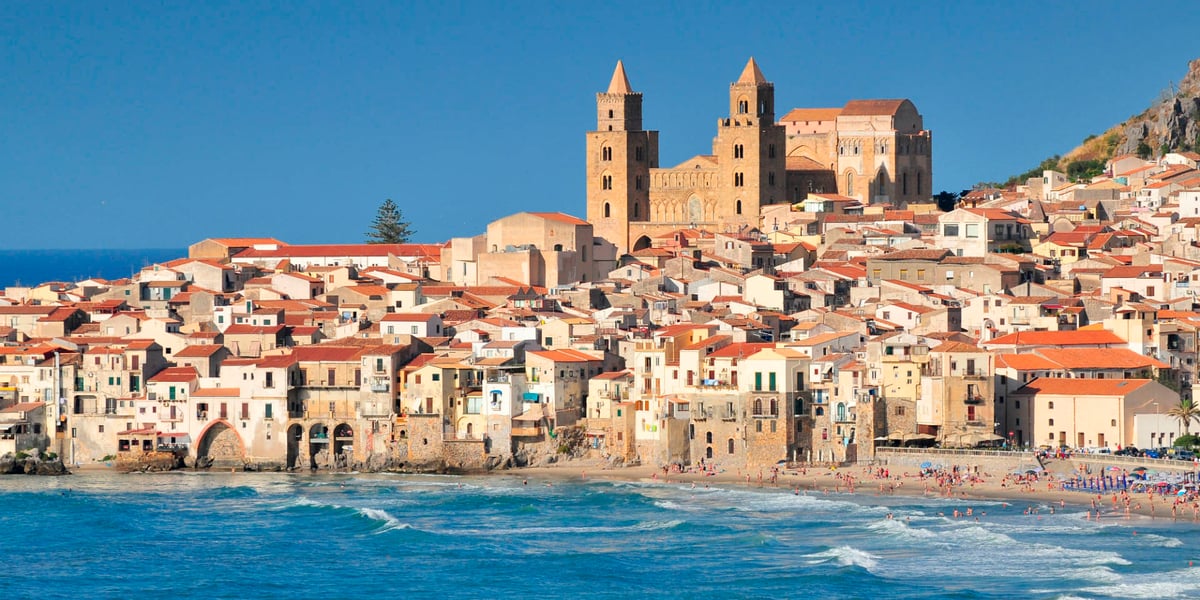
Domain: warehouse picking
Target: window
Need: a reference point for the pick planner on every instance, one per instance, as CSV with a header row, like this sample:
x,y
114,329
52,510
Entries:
x,y
1049,405
771,381
268,411
849,184
758,426
950,230
738,180
606,153
972,230
770,150
731,445
1052,422
474,405
637,182
436,377
607,210
738,151
637,153
739,207
743,107
245,410
708,437
771,178
606,182
900,410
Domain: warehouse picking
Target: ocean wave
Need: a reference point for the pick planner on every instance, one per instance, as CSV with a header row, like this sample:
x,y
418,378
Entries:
x,y
1160,540
551,529
846,556
389,522
897,528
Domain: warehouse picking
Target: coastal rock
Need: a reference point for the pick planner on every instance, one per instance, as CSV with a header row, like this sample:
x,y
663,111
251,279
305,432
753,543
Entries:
x,y
33,463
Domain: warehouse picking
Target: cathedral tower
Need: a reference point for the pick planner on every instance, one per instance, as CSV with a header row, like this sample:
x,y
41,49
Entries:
x,y
750,149
619,158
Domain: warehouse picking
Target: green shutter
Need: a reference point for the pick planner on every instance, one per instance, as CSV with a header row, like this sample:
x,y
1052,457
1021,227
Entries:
x,y
772,381
758,381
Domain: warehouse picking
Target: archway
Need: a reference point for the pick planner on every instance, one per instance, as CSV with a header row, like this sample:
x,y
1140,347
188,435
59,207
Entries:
x,y
318,440
642,243
343,439
222,445
294,434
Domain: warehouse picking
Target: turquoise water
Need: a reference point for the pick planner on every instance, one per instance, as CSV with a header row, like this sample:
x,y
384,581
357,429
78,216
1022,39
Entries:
x,y
189,535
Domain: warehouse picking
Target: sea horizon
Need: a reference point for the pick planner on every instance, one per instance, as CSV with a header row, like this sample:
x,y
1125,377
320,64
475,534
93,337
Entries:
x,y
30,267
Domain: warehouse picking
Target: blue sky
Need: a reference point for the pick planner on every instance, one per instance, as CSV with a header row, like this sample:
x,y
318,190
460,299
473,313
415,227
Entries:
x,y
158,124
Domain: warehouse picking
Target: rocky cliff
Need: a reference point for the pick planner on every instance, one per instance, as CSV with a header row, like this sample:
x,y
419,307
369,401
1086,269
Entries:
x,y
1171,123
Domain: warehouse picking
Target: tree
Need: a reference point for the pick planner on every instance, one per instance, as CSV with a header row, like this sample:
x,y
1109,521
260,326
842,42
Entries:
x,y
946,200
389,226
1186,412
1143,150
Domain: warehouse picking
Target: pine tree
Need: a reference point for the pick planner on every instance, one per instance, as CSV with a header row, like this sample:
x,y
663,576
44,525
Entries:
x,y
389,226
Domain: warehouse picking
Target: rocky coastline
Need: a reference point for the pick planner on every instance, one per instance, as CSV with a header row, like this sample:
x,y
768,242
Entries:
x,y
32,462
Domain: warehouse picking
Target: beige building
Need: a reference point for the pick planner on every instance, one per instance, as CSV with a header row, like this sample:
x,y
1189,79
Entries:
x,y
876,151
1083,413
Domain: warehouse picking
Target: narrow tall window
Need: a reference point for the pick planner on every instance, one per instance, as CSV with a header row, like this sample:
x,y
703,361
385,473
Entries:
x,y
638,182
849,184
738,180
638,154
607,210
739,207
771,151
904,183
743,107
635,210
606,153
606,182
771,179
738,151
918,183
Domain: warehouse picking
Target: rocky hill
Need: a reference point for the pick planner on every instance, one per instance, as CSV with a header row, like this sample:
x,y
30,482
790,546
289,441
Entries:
x,y
1170,124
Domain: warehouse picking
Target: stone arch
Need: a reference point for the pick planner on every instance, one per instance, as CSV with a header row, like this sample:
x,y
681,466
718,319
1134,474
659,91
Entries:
x,y
222,444
295,434
318,440
847,183
642,243
343,439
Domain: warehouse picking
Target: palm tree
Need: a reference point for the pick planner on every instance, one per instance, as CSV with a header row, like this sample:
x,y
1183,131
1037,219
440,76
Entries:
x,y
1186,412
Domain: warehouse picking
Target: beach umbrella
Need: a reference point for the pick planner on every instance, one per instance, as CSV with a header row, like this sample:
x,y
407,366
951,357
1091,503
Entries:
x,y
1114,468
1140,469
926,465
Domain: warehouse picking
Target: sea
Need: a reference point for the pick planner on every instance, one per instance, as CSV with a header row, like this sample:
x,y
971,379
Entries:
x,y
31,267
248,535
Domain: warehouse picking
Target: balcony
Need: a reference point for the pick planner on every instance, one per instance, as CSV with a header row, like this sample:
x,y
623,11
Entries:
x,y
380,384
973,400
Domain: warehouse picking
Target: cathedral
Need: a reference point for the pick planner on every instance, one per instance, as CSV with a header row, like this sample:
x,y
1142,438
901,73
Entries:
x,y
874,151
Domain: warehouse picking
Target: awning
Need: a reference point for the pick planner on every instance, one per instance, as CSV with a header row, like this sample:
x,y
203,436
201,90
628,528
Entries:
x,y
7,426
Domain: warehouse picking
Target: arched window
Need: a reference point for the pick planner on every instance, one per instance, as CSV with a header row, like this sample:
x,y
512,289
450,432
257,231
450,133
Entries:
x,y
606,153
774,407
739,207
708,452
606,182
708,438
743,106
849,184
558,247
758,406
610,114
738,151
470,429
607,210
731,445
841,411
820,411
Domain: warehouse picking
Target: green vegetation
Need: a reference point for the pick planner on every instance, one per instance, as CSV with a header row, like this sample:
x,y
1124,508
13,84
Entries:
x,y
1084,169
1185,413
21,455
1186,441
1050,164
51,456
1144,150
946,201
389,226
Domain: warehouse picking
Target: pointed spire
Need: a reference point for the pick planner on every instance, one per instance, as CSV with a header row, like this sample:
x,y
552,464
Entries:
x,y
751,74
619,83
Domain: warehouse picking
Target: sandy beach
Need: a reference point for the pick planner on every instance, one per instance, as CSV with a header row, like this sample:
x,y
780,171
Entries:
x,y
1045,495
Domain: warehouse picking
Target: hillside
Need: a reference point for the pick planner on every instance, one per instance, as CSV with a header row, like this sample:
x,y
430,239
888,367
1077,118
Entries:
x,y
1170,124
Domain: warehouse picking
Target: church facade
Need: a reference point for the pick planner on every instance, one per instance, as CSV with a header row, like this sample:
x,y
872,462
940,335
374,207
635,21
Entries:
x,y
876,151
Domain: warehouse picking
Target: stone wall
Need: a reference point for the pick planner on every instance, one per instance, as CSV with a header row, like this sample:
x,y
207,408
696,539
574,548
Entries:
x,y
464,454
425,438
996,463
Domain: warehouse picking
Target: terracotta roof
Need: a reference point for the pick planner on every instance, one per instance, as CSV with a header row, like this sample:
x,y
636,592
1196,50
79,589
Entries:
x,y
811,114
1082,387
1058,338
565,355
560,217
217,392
200,351
1025,362
176,375
1100,358
326,353
872,107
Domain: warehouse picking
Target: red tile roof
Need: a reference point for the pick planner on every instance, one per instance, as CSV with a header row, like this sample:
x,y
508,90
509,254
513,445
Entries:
x,y
176,375
1082,387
